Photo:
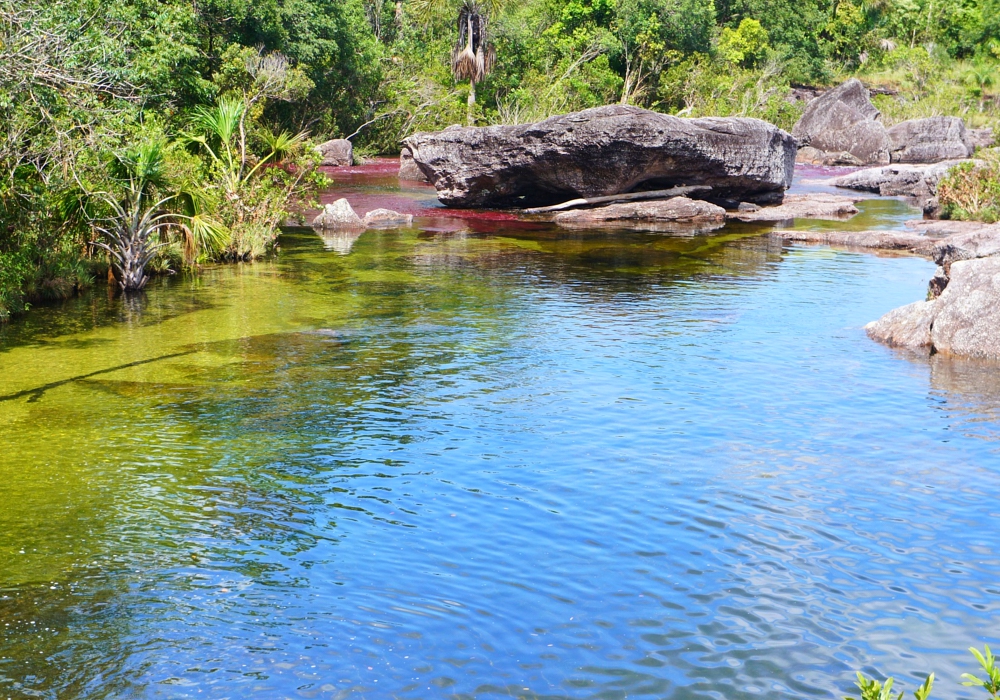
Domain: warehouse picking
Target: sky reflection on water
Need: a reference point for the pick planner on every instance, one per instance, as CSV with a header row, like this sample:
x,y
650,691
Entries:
x,y
491,463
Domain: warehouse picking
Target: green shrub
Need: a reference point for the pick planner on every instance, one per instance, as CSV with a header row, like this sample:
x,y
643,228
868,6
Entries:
x,y
971,191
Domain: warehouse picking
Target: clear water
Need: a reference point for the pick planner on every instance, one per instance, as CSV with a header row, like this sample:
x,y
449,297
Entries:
x,y
480,460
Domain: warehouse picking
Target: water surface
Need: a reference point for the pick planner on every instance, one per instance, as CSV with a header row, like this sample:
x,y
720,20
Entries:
x,y
481,459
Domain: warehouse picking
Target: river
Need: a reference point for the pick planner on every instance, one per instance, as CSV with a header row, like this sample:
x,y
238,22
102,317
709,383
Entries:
x,y
479,458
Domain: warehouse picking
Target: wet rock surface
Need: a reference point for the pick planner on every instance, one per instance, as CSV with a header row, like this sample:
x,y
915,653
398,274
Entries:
x,y
842,127
603,151
929,140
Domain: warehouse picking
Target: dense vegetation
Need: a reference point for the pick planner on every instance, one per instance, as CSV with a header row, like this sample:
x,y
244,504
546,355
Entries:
x,y
177,129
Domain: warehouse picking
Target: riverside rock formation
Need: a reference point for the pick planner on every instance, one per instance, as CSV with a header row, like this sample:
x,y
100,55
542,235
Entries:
x,y
408,169
604,151
962,317
908,180
842,127
815,205
929,140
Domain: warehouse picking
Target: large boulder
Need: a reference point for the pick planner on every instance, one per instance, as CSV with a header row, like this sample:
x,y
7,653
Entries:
x,y
967,320
337,153
964,320
659,215
929,140
603,151
843,127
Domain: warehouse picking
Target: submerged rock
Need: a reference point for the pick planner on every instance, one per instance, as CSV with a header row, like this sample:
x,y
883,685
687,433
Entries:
x,y
387,218
604,151
929,140
878,240
657,215
842,127
817,205
337,153
338,215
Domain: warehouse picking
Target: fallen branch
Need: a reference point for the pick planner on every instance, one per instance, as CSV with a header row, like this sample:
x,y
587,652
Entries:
x,y
630,197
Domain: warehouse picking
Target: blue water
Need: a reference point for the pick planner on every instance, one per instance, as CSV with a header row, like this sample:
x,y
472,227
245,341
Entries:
x,y
497,464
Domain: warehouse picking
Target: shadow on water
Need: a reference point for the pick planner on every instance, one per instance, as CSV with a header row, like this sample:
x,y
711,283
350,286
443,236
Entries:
x,y
484,460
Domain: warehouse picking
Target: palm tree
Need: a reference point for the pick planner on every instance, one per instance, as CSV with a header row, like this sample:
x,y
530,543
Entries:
x,y
473,56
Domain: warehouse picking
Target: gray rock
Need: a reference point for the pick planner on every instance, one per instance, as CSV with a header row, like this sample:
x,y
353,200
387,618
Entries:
x,y
408,168
657,215
967,317
906,180
818,205
982,242
929,140
980,138
906,327
337,153
338,215
876,240
603,151
843,127
387,218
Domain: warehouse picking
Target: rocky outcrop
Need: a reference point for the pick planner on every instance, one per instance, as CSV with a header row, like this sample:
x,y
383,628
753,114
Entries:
x,y
817,205
842,127
408,169
963,320
338,215
336,153
967,314
387,218
905,180
929,140
676,214
604,151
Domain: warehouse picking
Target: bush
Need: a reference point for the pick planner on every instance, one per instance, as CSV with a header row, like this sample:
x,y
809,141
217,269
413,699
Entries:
x,y
971,191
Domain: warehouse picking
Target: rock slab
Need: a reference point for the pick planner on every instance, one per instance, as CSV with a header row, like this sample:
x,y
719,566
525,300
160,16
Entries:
x,y
843,127
654,215
907,180
929,140
604,151
817,205
337,153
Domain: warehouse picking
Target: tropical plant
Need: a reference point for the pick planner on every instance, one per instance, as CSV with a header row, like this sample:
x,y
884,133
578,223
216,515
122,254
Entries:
x,y
134,227
473,56
872,689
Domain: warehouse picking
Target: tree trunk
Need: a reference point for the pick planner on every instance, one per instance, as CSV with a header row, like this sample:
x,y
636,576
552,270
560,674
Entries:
x,y
471,103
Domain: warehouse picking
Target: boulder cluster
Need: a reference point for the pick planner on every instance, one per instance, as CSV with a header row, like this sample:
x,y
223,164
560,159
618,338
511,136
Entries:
x,y
843,127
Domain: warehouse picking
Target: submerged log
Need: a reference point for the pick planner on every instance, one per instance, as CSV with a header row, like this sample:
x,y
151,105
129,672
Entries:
x,y
629,197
